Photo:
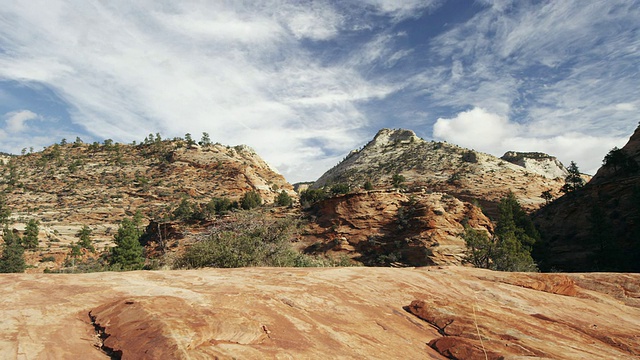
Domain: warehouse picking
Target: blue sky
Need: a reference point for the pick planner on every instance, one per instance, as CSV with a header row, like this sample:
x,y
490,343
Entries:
x,y
304,83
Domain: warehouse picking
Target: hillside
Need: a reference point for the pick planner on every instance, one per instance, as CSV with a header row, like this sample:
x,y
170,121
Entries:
x,y
438,166
346,313
597,226
67,186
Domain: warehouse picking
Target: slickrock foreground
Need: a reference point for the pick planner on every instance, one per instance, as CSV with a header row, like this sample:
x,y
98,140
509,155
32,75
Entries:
x,y
321,313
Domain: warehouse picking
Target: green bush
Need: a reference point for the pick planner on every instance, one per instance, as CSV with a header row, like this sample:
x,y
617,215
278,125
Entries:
x,y
284,199
368,185
251,239
341,188
250,200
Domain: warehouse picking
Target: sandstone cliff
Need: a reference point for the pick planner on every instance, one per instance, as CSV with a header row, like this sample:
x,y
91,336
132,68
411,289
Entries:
x,y
543,164
443,167
346,313
597,226
389,227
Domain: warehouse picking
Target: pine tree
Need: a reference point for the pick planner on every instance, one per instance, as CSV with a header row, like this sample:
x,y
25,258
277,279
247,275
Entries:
x,y
511,246
30,239
128,252
573,180
85,238
516,236
5,212
12,260
205,140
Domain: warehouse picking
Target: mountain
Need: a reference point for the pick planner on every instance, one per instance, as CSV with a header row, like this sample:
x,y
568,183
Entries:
x,y
67,186
438,166
310,313
596,227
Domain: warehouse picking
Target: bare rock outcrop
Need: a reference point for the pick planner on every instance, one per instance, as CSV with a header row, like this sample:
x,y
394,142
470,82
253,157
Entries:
x,y
386,227
310,313
541,163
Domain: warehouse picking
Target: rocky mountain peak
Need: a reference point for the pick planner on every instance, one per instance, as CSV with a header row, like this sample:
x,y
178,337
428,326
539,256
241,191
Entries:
x,y
540,163
444,167
386,137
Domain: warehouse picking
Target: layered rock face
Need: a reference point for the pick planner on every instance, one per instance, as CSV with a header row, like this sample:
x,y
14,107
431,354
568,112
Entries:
x,y
346,313
67,186
439,166
388,227
543,164
596,227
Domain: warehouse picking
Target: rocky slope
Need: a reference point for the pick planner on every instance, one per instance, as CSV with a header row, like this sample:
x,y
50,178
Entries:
x,y
541,163
597,226
346,313
442,167
389,227
67,186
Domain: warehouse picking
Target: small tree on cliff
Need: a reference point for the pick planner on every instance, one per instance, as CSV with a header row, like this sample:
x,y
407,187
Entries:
x,y
573,180
128,252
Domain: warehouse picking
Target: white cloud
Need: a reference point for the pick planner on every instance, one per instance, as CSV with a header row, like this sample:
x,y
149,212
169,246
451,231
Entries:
x,y
16,121
477,129
483,131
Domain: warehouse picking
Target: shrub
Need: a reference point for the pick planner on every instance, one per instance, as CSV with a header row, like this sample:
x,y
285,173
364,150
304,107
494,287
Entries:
x,y
310,196
250,240
341,188
368,185
250,200
284,199
398,181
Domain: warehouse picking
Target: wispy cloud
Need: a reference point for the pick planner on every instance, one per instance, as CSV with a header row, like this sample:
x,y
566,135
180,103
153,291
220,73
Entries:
x,y
305,82
240,72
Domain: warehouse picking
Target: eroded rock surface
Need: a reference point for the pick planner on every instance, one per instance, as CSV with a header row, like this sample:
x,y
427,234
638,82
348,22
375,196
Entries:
x,y
311,313
382,227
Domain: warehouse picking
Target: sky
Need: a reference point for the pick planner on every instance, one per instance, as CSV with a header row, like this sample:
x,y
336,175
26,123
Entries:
x,y
305,82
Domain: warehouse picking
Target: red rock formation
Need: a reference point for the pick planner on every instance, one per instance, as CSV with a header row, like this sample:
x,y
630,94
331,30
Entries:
x,y
310,313
382,227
